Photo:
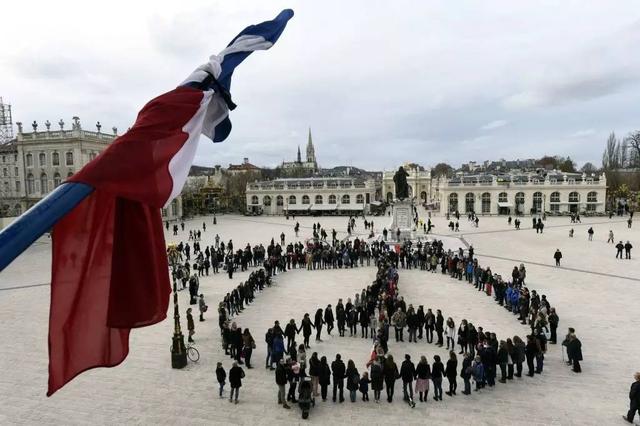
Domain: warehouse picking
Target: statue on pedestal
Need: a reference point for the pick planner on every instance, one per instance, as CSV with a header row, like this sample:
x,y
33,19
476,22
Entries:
x,y
402,187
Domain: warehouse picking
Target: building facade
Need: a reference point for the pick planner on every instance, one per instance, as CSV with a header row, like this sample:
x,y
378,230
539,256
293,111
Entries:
x,y
524,193
35,163
419,181
316,196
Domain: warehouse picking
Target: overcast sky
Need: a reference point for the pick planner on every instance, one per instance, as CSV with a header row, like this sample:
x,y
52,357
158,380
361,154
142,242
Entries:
x,y
380,83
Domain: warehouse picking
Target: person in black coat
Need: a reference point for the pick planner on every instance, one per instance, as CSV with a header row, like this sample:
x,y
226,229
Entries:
x,y
305,327
634,398
221,376
452,372
290,331
324,377
341,316
440,327
531,351
328,318
421,320
574,352
364,322
430,323
408,373
236,374
377,377
391,374
465,373
338,375
437,372
317,323
281,381
353,380
314,372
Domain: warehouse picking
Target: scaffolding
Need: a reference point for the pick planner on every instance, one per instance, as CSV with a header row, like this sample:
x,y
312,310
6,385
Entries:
x,y
6,123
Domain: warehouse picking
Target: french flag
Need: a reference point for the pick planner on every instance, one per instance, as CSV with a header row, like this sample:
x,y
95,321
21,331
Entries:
x,y
110,271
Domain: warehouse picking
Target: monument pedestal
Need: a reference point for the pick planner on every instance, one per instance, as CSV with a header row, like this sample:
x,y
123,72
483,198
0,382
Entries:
x,y
402,219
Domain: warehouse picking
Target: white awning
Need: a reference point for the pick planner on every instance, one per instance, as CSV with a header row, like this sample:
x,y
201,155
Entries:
x,y
351,207
376,203
505,204
324,207
302,207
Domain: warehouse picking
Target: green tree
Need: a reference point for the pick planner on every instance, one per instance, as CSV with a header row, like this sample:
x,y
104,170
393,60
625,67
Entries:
x,y
567,165
442,169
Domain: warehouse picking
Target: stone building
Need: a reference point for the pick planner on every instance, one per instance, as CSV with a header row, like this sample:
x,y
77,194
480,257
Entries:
x,y
314,196
519,193
419,181
35,163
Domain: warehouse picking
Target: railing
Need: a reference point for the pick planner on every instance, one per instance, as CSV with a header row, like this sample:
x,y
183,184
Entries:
x,y
65,134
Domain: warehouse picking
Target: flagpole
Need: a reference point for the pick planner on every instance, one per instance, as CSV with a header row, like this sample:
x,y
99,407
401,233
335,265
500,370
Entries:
x,y
40,218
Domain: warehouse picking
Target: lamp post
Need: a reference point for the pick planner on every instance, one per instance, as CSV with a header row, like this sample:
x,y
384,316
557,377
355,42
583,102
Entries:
x,y
178,349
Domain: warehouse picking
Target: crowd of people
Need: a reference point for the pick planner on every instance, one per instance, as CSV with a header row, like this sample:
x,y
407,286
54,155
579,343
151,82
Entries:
x,y
475,355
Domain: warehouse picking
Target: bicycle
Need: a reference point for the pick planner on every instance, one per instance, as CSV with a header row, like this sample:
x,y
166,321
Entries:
x,y
192,353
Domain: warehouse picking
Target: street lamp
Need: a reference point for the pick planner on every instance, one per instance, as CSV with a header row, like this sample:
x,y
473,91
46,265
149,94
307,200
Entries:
x,y
178,350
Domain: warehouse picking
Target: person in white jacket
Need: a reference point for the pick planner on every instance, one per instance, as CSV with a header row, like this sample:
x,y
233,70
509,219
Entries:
x,y
450,332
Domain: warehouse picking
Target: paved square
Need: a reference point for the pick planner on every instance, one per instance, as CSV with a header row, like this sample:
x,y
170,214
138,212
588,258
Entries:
x,y
593,292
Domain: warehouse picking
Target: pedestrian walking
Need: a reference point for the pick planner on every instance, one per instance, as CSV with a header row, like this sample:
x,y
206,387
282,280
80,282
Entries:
x,y
191,326
221,376
634,398
236,374
557,256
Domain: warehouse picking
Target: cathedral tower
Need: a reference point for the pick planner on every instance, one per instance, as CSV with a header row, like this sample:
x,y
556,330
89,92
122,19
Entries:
x,y
311,154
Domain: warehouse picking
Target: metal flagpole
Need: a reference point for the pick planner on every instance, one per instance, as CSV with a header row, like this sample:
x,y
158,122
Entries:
x,y
40,218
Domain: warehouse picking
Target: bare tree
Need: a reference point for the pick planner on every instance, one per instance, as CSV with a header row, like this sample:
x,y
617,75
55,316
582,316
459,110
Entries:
x,y
633,142
588,168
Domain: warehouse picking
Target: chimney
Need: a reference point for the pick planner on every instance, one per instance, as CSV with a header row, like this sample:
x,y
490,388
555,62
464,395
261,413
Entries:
x,y
246,160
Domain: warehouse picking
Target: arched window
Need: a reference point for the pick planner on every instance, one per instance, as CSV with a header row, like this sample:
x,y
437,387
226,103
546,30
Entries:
x,y
332,199
346,199
537,202
503,197
292,199
423,196
453,202
69,158
519,203
574,197
29,158
254,199
318,199
555,197
42,159
44,184
486,203
469,202
69,175
279,200
305,199
5,172
30,184
592,200
17,210
174,208
56,180
359,199
266,201
55,159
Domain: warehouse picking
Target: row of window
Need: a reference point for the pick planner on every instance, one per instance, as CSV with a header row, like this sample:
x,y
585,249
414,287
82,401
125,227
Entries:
x,y
332,199
5,158
6,210
44,182
554,200
55,159
5,172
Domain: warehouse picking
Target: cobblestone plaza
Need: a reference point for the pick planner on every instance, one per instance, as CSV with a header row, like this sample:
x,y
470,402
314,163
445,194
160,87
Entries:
x,y
592,292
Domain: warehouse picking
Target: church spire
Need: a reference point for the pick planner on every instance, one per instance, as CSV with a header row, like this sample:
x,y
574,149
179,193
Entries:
x,y
311,154
299,156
